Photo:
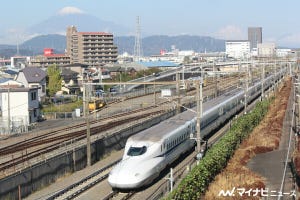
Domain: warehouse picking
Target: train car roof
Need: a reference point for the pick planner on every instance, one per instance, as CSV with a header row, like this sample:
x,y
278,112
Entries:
x,y
159,131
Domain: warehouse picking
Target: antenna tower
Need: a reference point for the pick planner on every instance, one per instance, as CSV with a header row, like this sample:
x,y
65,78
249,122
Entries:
x,y
137,43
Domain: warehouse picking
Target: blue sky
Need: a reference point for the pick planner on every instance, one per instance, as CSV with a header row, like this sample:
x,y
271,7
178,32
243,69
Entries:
x,y
226,19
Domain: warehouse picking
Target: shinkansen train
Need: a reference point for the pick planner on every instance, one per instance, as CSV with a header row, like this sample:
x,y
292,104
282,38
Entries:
x,y
150,151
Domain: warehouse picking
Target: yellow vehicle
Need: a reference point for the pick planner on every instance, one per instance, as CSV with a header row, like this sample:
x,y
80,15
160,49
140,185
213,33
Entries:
x,y
96,104
204,82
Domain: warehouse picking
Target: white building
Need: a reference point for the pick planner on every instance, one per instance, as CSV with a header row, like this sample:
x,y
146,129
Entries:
x,y
238,49
19,62
283,52
266,49
19,104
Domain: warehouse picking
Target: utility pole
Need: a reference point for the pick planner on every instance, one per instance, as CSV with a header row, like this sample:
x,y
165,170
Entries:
x,y
8,109
275,84
88,129
262,81
215,80
199,113
246,89
154,87
178,92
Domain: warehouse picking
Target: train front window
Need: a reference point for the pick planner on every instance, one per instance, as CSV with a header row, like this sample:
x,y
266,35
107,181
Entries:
x,y
136,151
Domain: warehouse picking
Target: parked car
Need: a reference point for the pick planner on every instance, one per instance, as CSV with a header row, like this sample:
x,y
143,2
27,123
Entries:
x,y
99,93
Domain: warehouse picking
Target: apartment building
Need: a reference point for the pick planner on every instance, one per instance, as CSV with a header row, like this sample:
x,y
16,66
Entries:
x,y
49,58
91,48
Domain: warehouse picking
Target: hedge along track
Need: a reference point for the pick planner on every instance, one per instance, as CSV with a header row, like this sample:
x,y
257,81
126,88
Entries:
x,y
23,152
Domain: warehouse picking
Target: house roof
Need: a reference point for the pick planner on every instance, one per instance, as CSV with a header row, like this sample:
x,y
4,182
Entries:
x,y
66,71
17,89
11,84
33,74
3,80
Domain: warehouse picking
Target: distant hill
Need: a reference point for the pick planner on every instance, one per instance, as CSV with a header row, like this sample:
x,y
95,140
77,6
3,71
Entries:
x,y
153,44
150,45
7,51
37,44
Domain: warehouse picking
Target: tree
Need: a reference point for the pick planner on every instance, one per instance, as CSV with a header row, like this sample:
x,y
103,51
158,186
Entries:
x,y
54,80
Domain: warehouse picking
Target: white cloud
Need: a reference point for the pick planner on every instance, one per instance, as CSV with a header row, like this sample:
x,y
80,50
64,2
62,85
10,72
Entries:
x,y
70,10
230,32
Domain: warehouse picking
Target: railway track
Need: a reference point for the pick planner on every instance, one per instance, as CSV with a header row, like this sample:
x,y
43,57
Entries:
x,y
119,195
44,138
22,152
159,188
101,175
86,183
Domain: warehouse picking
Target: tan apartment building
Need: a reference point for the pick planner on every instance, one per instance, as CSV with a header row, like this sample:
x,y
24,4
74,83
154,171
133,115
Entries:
x,y
91,48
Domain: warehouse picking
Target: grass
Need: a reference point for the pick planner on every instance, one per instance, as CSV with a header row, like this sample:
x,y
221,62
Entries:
x,y
68,107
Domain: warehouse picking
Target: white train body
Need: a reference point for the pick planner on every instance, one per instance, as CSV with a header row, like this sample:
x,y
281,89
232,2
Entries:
x,y
147,153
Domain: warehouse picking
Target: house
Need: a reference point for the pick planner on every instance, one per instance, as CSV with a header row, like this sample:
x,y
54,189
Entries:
x,y
18,103
73,76
115,71
33,77
70,81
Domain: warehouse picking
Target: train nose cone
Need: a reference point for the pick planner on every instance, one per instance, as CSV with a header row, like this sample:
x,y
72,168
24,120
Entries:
x,y
124,180
124,177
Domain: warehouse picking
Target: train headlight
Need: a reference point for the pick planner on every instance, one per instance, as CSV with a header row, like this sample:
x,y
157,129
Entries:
x,y
137,174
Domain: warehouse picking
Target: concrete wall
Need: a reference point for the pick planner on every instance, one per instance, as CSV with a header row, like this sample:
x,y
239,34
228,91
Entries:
x,y
40,175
